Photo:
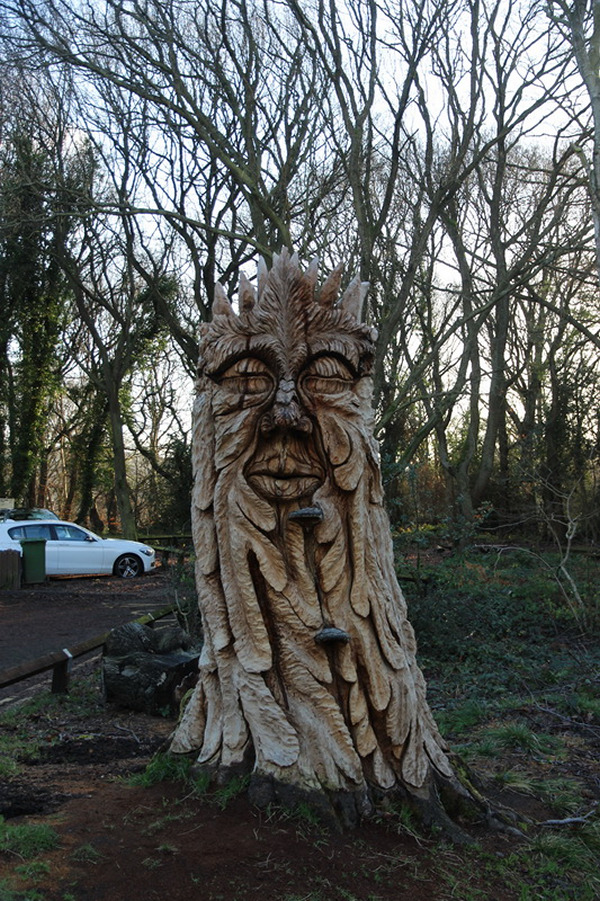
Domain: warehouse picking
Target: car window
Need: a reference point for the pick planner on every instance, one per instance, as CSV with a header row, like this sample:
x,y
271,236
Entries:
x,y
70,533
34,530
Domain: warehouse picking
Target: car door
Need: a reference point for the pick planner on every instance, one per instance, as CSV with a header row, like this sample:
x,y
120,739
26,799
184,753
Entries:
x,y
79,552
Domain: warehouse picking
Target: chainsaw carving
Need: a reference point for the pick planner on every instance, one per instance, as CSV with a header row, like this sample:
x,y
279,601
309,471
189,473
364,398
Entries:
x,y
308,679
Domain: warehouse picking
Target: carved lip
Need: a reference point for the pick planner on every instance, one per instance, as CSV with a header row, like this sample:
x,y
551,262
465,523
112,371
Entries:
x,y
280,464
289,469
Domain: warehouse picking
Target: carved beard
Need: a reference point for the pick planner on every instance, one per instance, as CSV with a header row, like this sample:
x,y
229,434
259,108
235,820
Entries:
x,y
284,421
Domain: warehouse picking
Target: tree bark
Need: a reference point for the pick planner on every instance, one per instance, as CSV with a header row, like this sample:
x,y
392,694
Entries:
x,y
308,676
122,493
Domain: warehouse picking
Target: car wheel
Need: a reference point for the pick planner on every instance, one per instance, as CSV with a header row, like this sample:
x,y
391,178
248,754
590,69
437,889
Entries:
x,y
128,566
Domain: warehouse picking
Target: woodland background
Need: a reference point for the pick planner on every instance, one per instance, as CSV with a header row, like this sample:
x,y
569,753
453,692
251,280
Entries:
x,y
445,150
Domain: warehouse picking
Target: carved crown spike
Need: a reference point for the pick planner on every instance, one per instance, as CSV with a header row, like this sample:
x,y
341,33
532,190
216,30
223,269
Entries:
x,y
262,273
247,297
353,298
331,287
312,272
221,304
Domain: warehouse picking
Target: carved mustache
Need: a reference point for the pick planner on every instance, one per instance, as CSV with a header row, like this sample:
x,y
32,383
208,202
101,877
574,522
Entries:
x,y
285,457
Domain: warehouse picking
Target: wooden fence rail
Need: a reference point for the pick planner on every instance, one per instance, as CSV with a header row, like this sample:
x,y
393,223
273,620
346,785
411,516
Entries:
x,y
60,661
167,555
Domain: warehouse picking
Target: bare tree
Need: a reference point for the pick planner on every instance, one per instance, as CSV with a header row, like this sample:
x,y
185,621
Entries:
x,y
390,135
577,24
224,101
417,147
40,169
119,314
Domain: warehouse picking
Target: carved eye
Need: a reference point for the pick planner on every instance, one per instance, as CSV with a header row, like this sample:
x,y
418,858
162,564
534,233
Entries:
x,y
327,375
247,376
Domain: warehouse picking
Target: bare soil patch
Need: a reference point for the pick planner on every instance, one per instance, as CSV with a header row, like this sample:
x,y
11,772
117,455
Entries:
x,y
119,841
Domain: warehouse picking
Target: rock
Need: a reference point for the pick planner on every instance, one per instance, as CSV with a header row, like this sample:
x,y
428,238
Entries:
x,y
144,669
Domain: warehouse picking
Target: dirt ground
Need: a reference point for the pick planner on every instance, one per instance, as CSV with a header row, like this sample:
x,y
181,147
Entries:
x,y
125,843
120,842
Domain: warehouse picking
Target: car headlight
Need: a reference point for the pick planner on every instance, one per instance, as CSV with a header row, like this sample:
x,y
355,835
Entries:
x,y
148,551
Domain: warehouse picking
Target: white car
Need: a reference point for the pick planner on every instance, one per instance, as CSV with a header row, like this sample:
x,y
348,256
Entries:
x,y
72,550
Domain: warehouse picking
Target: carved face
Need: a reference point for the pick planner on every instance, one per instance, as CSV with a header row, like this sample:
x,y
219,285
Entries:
x,y
282,376
288,462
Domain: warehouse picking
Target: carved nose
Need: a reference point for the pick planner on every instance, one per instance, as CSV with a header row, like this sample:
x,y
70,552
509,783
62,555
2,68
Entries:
x,y
286,412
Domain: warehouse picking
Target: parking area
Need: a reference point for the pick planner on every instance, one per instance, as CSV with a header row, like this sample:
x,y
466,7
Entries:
x,y
64,612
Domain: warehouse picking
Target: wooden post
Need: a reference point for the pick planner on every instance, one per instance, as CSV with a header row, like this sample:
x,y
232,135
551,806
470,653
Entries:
x,y
10,569
61,673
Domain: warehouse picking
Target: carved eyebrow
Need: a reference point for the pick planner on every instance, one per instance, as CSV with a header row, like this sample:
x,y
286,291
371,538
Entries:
x,y
245,366
227,351
344,349
332,355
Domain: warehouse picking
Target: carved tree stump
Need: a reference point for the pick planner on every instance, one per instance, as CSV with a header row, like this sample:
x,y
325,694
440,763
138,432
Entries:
x,y
308,678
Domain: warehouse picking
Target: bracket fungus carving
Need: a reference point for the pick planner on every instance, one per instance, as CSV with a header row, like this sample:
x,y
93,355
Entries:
x,y
308,680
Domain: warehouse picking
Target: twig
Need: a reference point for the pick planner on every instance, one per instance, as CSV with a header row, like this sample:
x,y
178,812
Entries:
x,y
569,821
567,719
125,729
13,852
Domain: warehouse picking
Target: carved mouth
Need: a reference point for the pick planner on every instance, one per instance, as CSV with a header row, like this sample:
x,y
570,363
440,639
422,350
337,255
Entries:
x,y
285,468
285,477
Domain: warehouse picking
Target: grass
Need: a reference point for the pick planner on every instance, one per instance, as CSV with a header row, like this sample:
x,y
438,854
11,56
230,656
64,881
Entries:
x,y
560,866
86,854
162,768
8,893
17,745
27,840
518,736
169,819
561,793
33,870
167,767
23,844
223,795
25,728
514,688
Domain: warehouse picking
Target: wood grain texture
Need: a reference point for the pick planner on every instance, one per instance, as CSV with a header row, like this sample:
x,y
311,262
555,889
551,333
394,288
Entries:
x,y
308,674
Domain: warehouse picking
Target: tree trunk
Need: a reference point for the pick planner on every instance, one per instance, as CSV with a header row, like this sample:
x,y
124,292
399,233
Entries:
x,y
122,494
308,678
